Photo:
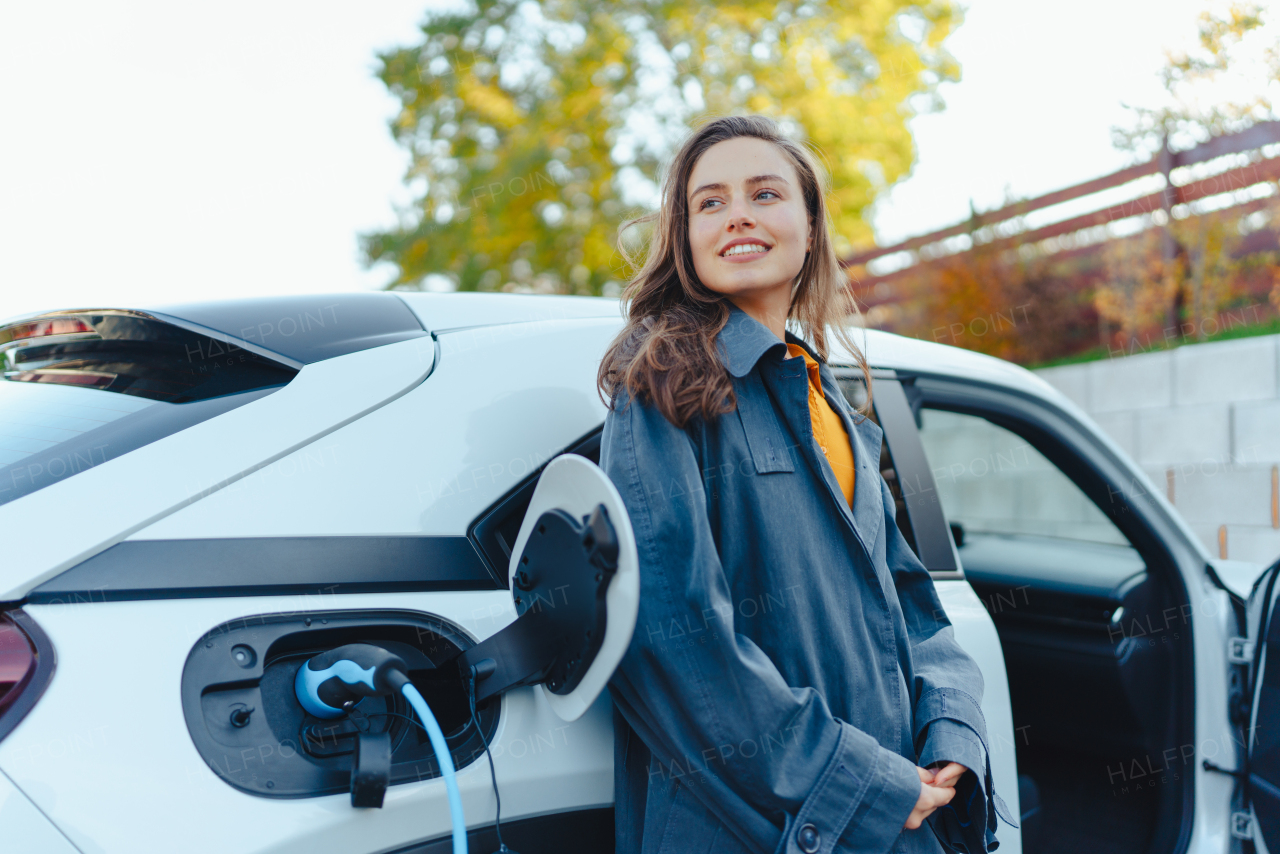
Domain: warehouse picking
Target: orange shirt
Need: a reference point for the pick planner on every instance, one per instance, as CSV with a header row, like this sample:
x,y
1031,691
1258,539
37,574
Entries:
x,y
828,429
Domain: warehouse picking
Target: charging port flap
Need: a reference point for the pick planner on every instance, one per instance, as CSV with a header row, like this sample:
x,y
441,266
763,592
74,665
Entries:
x,y
575,582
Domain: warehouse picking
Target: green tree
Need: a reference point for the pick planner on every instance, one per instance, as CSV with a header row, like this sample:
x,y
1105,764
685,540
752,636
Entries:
x,y
536,128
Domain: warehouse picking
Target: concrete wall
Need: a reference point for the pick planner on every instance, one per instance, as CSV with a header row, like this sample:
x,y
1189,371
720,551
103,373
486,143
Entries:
x,y
992,481
1204,421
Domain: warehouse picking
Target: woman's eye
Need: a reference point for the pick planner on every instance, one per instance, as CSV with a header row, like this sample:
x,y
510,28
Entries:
x,y
767,192
706,202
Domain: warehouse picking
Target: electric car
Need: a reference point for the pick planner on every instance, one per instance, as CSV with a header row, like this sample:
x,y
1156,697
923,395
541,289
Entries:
x,y
199,499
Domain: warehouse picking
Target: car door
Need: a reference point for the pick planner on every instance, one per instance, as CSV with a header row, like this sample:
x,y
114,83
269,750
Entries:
x,y
1260,775
369,530
1112,619
920,516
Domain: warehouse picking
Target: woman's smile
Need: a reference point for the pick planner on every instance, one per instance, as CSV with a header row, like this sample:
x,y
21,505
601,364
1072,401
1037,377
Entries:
x,y
744,250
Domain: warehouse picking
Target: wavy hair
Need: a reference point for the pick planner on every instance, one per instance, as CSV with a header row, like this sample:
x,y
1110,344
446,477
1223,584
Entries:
x,y
666,353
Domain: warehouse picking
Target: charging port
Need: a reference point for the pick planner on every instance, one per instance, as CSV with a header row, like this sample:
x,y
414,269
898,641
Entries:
x,y
244,718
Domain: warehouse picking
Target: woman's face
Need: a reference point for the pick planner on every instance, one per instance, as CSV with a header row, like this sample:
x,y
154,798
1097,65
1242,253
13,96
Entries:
x,y
748,228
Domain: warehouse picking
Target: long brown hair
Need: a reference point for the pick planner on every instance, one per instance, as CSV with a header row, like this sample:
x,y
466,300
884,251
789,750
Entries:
x,y
667,351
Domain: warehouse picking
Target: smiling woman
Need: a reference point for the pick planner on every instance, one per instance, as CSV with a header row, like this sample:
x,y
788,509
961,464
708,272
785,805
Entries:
x,y
736,183
849,719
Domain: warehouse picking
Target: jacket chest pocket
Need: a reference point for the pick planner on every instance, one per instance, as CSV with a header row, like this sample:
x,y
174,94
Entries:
x,y
766,440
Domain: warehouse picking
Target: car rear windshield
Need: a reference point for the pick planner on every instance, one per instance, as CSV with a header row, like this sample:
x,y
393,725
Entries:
x,y
79,390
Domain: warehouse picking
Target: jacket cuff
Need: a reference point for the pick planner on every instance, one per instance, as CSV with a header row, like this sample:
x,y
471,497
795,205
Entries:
x,y
864,788
950,703
950,741
968,823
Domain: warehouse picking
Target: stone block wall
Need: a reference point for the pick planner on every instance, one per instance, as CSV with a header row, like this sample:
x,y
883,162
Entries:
x,y
1204,421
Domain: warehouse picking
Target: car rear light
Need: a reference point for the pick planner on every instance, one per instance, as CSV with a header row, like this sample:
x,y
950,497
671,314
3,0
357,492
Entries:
x,y
44,329
26,665
87,379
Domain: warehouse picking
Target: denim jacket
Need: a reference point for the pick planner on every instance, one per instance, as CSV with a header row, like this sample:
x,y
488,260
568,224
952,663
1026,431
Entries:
x,y
791,663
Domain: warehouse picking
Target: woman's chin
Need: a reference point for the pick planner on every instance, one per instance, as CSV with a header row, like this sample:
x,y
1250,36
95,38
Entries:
x,y
751,285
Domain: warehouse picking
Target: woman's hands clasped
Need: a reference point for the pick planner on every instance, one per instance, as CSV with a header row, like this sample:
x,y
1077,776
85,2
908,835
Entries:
x,y
937,788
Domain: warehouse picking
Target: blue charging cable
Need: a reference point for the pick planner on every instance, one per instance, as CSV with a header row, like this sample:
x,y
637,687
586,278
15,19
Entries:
x,y
446,765
331,683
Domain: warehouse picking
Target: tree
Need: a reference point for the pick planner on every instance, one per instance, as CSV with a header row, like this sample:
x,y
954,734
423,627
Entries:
x,y
1224,84
1139,282
536,128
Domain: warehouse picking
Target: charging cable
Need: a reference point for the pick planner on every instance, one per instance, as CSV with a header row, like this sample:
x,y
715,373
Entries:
x,y
331,683
493,774
446,765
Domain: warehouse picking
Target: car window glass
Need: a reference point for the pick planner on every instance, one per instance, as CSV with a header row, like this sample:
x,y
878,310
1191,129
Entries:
x,y
49,432
77,390
990,480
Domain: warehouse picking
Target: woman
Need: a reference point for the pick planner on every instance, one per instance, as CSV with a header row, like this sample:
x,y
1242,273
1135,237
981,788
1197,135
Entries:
x,y
793,684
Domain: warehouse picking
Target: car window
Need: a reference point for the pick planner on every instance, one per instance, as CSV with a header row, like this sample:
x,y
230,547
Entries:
x,y
51,432
990,480
78,390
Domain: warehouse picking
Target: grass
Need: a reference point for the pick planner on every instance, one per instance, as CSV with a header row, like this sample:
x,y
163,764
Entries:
x,y
1093,354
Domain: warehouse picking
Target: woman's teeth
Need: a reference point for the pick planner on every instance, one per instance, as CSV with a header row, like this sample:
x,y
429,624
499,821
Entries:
x,y
745,248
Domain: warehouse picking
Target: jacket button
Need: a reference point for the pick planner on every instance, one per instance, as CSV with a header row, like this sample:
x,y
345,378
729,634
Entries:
x,y
809,838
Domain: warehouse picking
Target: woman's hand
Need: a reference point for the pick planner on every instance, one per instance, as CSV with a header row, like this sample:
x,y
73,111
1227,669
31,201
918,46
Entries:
x,y
948,775
932,795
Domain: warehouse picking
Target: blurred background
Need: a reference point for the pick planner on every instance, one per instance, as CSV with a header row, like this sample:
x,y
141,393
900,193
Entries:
x,y
1090,192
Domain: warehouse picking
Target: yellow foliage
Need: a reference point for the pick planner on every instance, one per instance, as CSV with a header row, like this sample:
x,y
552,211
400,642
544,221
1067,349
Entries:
x,y
537,128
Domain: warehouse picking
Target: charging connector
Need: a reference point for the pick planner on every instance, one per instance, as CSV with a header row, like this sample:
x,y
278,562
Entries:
x,y
330,684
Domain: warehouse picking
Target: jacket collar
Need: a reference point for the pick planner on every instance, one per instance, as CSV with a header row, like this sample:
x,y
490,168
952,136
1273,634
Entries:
x,y
744,340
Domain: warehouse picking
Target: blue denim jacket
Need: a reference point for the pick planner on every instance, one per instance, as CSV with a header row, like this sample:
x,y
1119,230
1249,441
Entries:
x,y
791,663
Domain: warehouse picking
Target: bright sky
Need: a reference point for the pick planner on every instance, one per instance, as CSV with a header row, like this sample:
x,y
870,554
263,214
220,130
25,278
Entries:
x,y
154,152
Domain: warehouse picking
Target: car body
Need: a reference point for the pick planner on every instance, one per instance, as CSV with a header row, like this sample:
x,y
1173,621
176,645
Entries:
x,y
277,473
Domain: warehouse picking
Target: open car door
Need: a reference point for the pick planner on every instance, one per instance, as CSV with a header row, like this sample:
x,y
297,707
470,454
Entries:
x,y
1261,654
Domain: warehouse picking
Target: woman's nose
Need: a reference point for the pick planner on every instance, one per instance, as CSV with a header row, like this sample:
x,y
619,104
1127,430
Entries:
x,y
739,216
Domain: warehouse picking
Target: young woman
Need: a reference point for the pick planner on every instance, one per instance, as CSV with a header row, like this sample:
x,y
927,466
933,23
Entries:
x,y
793,684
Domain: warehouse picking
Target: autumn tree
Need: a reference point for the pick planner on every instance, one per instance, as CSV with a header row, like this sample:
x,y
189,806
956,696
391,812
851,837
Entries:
x,y
536,128
1222,84
1139,283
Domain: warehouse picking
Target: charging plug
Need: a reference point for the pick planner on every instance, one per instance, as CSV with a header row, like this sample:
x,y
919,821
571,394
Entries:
x,y
332,682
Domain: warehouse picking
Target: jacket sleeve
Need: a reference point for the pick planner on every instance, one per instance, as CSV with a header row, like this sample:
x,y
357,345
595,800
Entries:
x,y
768,759
947,692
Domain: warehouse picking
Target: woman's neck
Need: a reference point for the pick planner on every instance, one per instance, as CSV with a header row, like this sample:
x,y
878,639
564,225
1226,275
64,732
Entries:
x,y
769,307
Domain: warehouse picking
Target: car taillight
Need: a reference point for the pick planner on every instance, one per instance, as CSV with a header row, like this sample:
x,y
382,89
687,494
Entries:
x,y
26,664
44,329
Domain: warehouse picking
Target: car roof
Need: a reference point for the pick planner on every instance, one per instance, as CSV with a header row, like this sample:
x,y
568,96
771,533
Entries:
x,y
885,350
441,312
308,327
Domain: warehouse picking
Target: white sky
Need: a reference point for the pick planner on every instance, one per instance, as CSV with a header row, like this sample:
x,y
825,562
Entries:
x,y
154,152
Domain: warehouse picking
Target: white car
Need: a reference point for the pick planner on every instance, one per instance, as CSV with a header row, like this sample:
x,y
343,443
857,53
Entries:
x,y
199,498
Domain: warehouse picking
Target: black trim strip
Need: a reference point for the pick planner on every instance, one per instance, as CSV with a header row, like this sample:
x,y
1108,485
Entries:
x,y
269,566
588,831
304,328
920,493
